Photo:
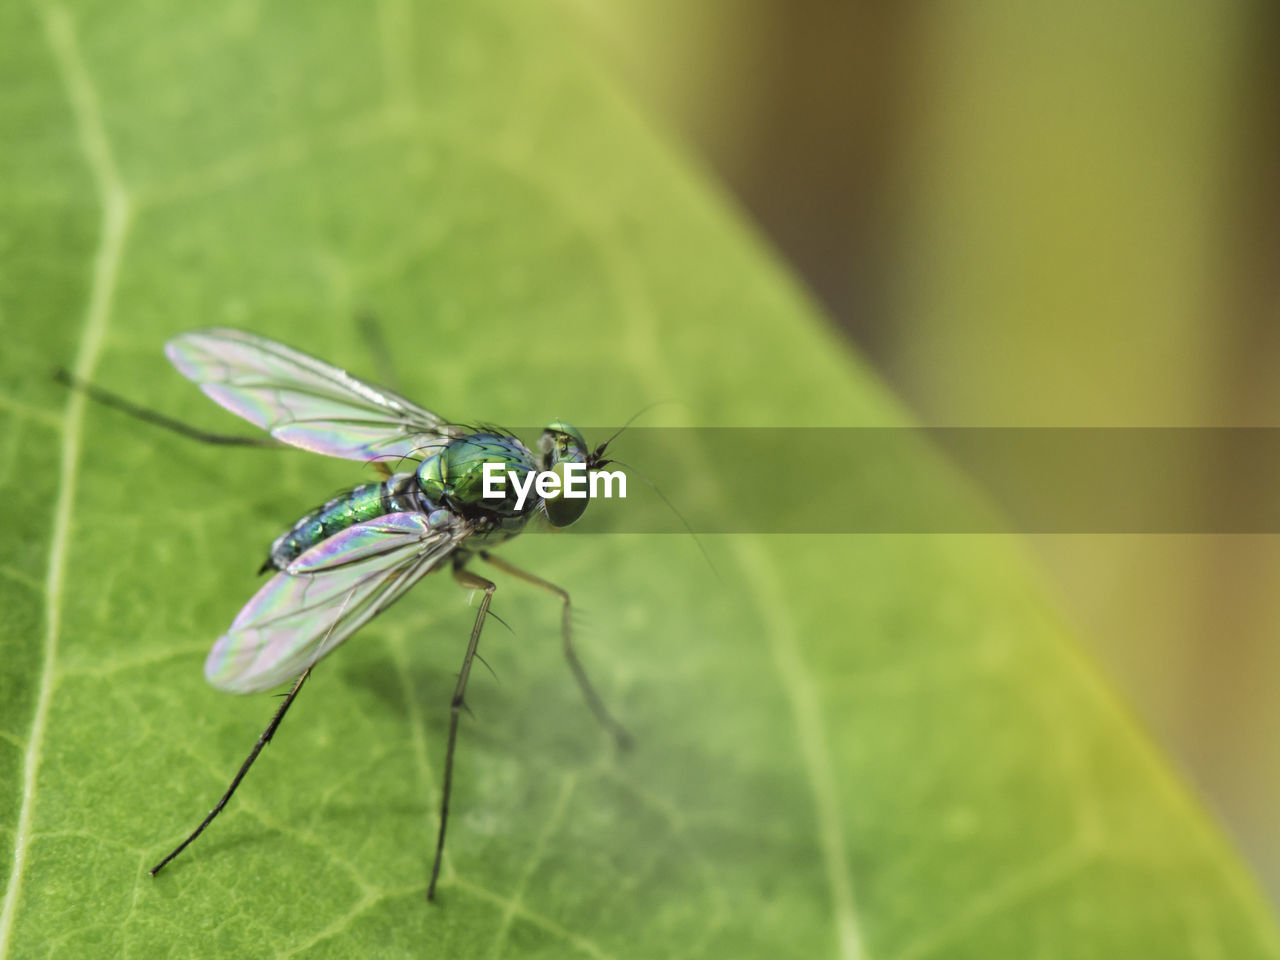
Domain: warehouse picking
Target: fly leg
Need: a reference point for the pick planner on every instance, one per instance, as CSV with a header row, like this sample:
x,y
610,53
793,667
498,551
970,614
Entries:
x,y
375,342
147,415
263,740
597,706
470,581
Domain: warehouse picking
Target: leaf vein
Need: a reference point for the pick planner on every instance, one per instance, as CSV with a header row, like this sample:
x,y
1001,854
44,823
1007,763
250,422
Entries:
x,y
1016,888
796,681
587,946
91,133
567,786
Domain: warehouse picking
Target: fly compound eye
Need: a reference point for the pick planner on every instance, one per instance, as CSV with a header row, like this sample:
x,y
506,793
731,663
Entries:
x,y
570,501
561,441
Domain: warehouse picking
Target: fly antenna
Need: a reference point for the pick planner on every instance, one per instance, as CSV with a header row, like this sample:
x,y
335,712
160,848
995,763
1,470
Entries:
x,y
672,507
645,409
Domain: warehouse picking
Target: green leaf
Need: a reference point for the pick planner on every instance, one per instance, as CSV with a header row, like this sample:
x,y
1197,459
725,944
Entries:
x,y
852,746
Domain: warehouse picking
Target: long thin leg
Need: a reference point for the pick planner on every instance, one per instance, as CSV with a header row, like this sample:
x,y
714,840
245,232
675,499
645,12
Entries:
x,y
117,402
376,343
263,740
597,706
470,581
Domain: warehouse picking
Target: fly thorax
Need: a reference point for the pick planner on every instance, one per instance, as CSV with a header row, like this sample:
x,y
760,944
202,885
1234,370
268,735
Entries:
x,y
455,477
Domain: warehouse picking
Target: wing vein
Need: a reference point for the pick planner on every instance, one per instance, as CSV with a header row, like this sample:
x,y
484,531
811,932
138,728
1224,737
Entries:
x,y
302,401
287,626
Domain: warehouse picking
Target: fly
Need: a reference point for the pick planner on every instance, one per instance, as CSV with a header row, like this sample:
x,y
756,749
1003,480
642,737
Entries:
x,y
346,561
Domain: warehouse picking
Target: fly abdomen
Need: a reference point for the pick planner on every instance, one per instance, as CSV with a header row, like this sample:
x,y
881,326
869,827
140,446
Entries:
x,y
365,502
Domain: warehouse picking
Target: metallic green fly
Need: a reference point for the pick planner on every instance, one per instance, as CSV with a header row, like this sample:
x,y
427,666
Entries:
x,y
346,561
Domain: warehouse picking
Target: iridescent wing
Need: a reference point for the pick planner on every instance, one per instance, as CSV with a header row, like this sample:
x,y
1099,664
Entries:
x,y
303,401
327,594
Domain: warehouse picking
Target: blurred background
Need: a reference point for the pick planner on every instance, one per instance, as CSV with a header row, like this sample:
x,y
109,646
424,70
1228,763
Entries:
x,y
1032,215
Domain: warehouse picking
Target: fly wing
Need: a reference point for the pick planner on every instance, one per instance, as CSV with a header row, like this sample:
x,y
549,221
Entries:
x,y
303,401
327,594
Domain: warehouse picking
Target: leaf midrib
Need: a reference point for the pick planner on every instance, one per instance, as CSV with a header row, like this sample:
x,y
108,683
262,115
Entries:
x,y
113,228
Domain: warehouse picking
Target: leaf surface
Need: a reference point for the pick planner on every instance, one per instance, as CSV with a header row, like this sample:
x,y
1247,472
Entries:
x,y
880,747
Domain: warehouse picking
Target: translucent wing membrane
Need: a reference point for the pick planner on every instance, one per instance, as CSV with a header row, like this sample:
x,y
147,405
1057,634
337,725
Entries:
x,y
324,596
303,401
